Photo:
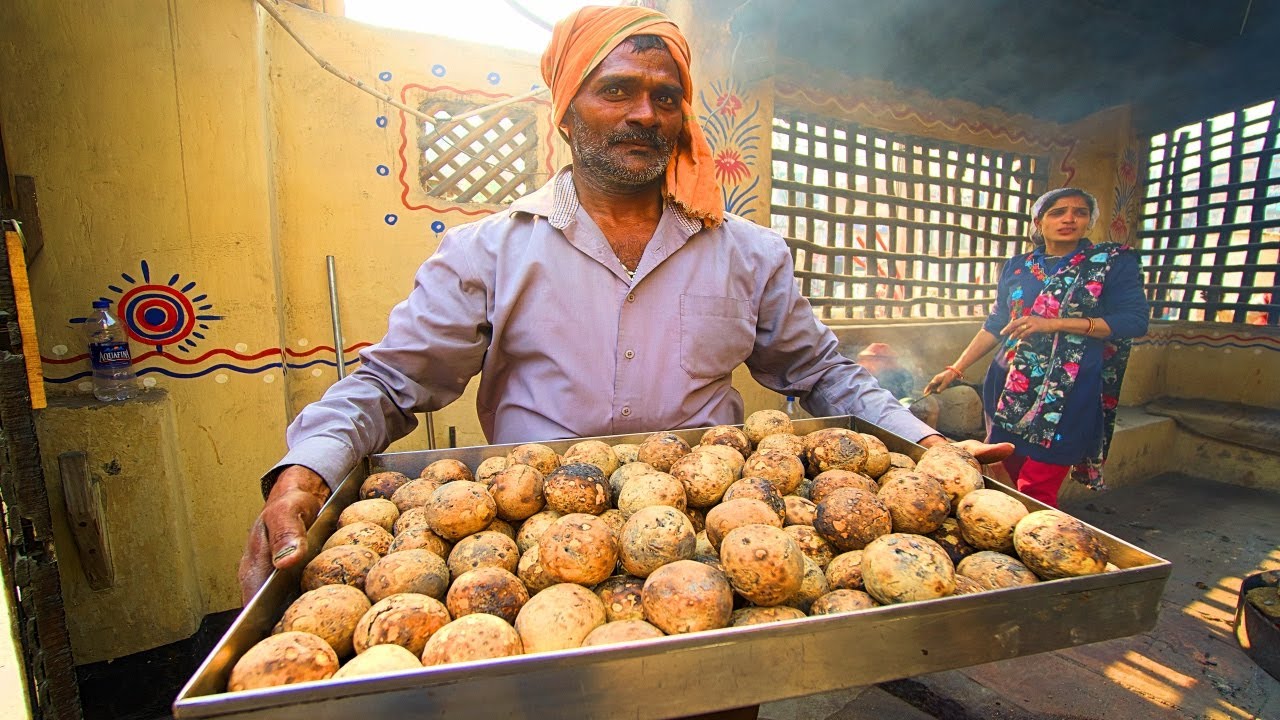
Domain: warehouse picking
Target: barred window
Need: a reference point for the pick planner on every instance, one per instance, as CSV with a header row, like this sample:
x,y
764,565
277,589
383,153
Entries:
x,y
486,159
885,224
1211,219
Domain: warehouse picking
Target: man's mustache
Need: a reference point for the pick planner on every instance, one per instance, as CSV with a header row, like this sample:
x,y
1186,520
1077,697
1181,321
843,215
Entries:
x,y
640,136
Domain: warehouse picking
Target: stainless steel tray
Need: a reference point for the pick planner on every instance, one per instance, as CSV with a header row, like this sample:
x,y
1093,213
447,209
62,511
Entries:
x,y
698,673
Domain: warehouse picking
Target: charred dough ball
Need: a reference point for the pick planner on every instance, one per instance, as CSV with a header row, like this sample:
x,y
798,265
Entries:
x,y
951,540
594,452
341,565
813,586
531,530
484,549
763,563
489,468
800,511
825,483
811,544
705,477
652,488
901,567
579,548
408,571
379,659
284,659
364,534
382,485
763,423
478,636
459,509
576,488
330,613
993,570
619,478
894,472
953,467
782,469
446,471
627,452
559,618
849,519
499,525
877,456
842,601
413,517
757,488
517,492
538,456
487,590
420,537
726,453
835,449
966,585
1055,545
379,511
621,595
615,520
653,537
728,516
532,573
788,443
987,519
687,596
727,435
844,572
917,503
407,619
415,493
621,631
898,460
661,450
752,615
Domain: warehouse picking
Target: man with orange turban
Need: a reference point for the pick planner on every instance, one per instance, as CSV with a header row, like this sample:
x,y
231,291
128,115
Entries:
x,y
616,299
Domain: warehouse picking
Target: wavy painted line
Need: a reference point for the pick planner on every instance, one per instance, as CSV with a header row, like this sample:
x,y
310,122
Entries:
x,y
219,351
404,144
170,373
329,363
325,348
899,111
1224,336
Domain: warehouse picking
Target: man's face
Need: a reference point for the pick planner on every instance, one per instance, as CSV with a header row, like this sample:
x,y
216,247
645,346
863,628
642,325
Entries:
x,y
625,120
1067,220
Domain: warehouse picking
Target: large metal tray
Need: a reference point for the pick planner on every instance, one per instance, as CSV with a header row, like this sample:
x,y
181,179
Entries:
x,y
697,673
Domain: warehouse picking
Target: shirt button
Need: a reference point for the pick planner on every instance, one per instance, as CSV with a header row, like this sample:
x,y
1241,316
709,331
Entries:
x,y
631,297
629,354
626,412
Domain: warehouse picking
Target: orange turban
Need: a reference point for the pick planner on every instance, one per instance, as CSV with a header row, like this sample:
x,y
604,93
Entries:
x,y
587,36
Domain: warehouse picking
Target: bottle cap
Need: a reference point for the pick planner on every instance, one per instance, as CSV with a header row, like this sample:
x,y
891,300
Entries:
x,y
791,398
101,303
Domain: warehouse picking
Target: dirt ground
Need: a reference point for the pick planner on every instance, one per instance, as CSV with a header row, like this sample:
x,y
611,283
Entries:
x,y
1189,666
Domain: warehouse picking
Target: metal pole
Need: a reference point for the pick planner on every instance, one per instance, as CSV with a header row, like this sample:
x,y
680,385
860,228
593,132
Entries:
x,y
338,352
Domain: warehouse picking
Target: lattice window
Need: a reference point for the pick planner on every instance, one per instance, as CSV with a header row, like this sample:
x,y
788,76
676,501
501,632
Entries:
x,y
884,224
1211,219
489,159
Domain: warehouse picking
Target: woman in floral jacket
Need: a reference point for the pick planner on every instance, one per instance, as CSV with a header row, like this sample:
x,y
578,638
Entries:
x,y
1064,318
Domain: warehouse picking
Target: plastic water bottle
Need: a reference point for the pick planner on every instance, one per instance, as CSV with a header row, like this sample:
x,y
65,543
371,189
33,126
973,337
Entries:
x,y
793,410
113,376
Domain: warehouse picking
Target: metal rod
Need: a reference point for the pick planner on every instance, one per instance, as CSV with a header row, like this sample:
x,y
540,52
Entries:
x,y
431,431
338,353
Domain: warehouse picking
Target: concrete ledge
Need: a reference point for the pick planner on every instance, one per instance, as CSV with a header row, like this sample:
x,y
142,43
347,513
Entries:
x,y
1140,449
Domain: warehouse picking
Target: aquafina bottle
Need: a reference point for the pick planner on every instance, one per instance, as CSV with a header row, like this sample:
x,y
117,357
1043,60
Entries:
x,y
113,376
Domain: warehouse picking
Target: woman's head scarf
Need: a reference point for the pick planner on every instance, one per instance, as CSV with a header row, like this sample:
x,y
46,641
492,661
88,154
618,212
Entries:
x,y
583,39
1046,201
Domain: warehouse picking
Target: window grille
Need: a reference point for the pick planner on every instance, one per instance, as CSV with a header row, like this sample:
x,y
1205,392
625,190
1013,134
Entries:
x,y
490,159
885,224
1210,229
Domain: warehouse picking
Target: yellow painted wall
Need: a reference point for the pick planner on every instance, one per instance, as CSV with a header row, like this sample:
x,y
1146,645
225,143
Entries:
x,y
196,136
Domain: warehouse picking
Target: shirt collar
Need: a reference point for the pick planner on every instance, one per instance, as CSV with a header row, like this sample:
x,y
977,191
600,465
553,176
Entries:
x,y
558,202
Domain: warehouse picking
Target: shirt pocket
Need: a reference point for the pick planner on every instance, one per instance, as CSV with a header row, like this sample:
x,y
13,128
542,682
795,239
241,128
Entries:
x,y
716,334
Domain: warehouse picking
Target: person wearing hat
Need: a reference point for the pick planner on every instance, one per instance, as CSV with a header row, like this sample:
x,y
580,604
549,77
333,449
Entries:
x,y
1064,318
618,298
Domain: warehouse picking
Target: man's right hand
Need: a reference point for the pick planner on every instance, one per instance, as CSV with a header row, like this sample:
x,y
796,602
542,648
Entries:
x,y
278,538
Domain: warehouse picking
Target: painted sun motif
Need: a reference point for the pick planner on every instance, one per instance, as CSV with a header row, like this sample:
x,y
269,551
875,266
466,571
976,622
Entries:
x,y
160,314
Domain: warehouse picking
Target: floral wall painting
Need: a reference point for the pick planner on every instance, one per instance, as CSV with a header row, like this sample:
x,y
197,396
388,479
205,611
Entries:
x,y
1125,211
733,131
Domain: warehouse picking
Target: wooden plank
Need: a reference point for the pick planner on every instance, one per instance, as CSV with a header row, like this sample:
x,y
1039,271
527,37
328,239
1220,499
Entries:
x,y
26,319
87,515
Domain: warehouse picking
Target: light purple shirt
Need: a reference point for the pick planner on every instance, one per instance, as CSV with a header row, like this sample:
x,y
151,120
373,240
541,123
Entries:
x,y
568,345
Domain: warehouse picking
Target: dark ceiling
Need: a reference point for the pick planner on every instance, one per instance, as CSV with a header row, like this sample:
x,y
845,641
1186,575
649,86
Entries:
x,y
1176,61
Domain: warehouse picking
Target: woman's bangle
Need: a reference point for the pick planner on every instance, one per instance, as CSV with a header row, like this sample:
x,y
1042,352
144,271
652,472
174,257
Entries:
x,y
955,370
1090,330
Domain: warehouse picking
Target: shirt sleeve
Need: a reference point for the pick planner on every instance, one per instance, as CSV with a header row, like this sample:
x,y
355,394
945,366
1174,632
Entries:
x,y
1123,304
999,316
796,354
435,343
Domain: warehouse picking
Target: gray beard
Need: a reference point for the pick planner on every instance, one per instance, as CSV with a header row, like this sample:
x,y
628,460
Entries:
x,y
593,153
